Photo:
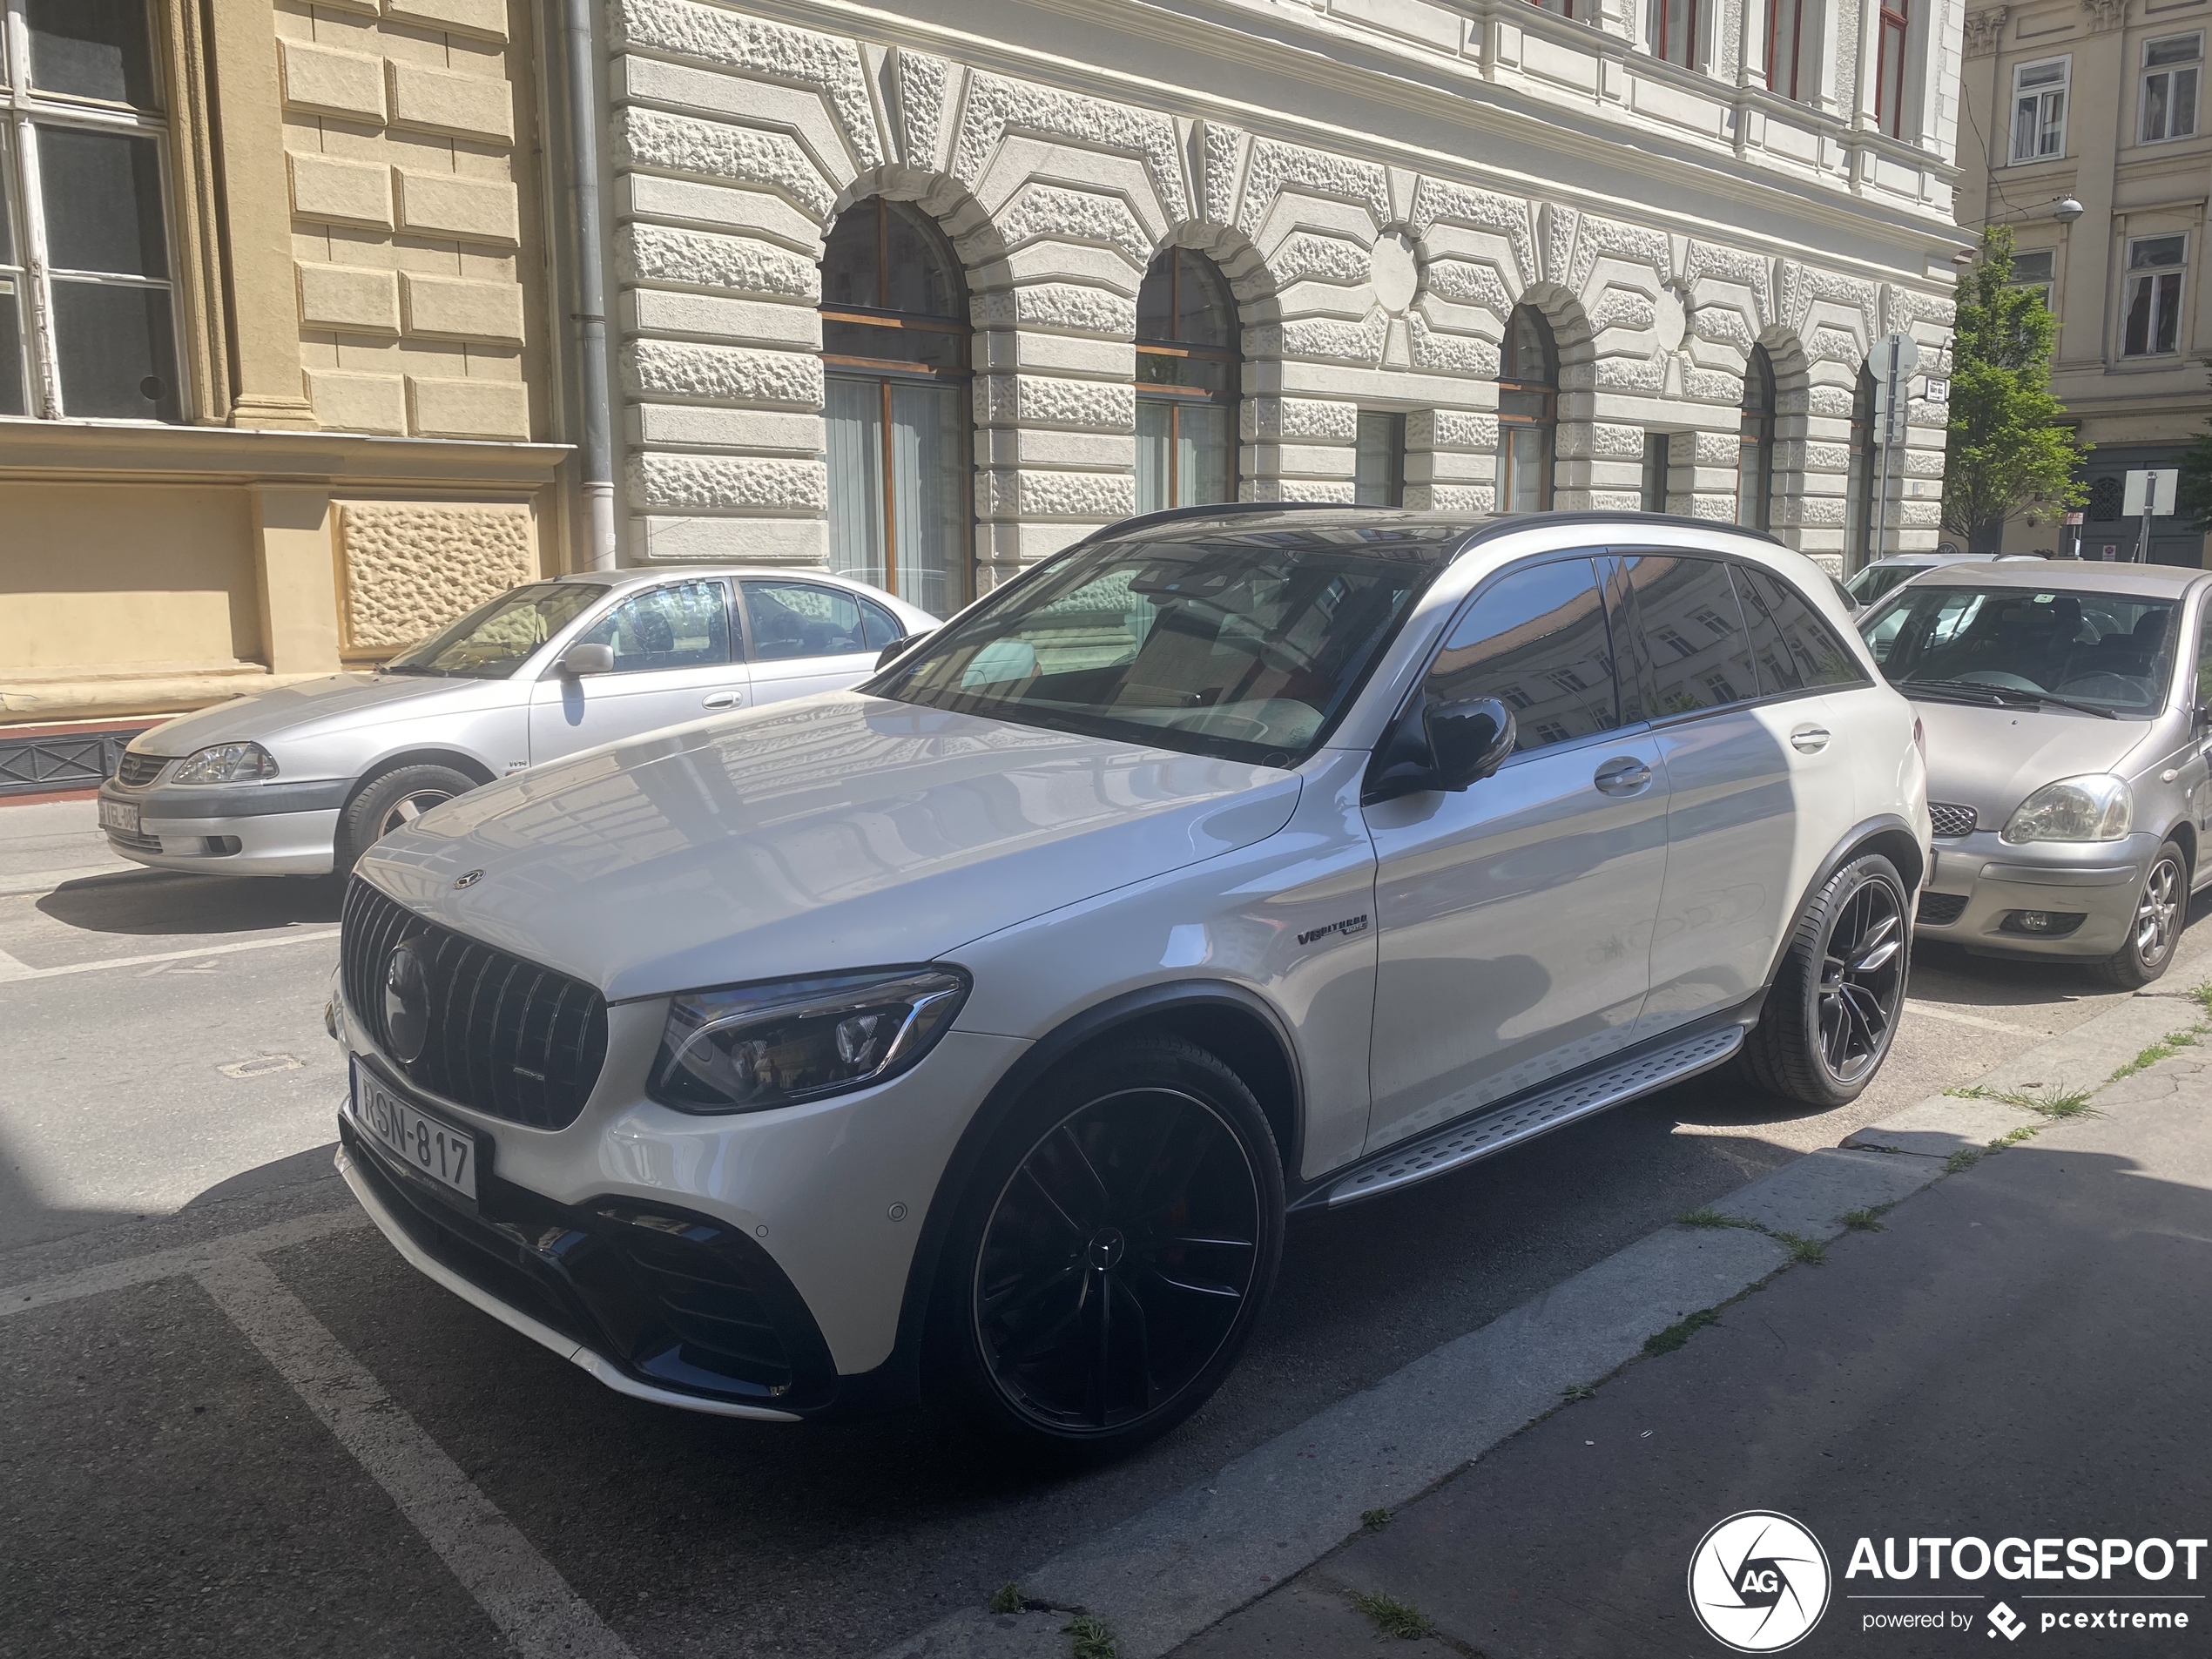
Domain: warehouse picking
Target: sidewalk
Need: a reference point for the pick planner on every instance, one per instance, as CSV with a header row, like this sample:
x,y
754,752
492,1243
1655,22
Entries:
x,y
2022,1350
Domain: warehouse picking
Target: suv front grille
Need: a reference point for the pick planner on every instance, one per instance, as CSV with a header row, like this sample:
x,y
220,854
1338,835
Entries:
x,y
138,771
1951,822
511,1039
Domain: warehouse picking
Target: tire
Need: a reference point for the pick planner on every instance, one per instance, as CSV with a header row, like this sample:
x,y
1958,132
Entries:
x,y
2161,909
388,800
1075,1312
1831,1012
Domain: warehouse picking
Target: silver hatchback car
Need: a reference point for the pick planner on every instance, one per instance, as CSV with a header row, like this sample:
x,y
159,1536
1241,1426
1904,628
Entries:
x,y
302,780
2068,712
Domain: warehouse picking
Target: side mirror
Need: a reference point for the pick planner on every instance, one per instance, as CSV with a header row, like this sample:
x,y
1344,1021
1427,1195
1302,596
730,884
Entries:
x,y
1442,746
1470,739
898,647
579,660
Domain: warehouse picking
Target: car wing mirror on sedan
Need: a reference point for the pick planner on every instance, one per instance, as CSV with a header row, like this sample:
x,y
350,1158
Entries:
x,y
1448,746
898,647
579,660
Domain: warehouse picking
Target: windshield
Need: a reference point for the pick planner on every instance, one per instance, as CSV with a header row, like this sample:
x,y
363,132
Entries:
x,y
1876,580
2109,652
1245,647
493,640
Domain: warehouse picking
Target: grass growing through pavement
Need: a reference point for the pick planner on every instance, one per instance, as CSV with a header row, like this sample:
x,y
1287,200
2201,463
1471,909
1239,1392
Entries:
x,y
1802,1250
1092,1638
1706,1215
1680,1332
1391,1617
1374,1520
1007,1599
1864,1221
2074,1103
1965,1158
1574,1391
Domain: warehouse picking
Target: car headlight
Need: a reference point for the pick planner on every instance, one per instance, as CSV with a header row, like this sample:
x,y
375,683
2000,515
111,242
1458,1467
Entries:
x,y
2098,807
227,763
751,1048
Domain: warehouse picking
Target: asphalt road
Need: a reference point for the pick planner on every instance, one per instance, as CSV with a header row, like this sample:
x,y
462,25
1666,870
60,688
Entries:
x,y
185,1466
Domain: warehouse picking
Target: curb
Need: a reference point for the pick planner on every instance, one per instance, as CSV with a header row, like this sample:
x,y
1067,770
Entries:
x,y
1168,1573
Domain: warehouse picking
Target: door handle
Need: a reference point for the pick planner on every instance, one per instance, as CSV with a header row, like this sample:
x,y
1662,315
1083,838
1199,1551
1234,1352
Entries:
x,y
1623,775
1809,739
723,700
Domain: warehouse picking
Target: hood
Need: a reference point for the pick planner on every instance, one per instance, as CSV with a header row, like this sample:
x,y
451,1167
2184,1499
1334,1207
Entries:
x,y
834,831
291,710
1992,759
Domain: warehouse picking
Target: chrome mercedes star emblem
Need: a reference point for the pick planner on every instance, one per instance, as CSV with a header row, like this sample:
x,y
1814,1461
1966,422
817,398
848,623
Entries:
x,y
406,1003
468,881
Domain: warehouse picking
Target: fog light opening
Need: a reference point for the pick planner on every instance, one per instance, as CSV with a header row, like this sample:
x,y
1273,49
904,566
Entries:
x,y
218,847
2043,924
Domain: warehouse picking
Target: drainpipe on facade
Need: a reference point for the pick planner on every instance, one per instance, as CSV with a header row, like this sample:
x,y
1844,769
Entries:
x,y
591,292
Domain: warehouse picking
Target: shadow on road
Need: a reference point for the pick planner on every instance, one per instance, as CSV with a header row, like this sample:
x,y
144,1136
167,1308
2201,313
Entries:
x,y
165,905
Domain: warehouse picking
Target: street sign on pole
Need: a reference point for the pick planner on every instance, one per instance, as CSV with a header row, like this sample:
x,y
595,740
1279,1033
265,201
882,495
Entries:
x,y
2151,492
1892,362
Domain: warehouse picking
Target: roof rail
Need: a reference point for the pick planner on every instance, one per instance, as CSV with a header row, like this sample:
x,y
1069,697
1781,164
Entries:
x,y
1229,509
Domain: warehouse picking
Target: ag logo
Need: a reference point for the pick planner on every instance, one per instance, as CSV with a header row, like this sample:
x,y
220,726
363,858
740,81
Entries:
x,y
1758,1582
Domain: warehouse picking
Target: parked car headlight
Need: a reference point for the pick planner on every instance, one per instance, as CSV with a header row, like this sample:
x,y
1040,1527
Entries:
x,y
2098,807
750,1047
227,763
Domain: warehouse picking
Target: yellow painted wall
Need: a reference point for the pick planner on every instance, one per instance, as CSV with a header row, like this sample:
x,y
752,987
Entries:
x,y
117,574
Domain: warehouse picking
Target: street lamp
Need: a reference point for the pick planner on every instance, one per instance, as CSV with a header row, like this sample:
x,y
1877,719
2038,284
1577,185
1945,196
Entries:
x,y
2065,210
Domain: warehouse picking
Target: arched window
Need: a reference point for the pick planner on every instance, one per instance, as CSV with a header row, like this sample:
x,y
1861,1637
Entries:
x,y
1186,384
1858,531
894,342
1755,444
1527,414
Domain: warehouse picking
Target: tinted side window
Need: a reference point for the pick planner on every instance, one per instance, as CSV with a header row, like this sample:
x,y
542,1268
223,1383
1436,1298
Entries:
x,y
1536,640
1792,637
881,627
2204,660
1701,655
799,620
686,625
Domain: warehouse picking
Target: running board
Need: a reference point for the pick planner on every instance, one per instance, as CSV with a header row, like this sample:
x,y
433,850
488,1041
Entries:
x,y
1473,1139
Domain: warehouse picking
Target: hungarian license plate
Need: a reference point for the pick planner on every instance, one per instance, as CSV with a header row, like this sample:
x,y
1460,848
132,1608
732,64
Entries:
x,y
429,1146
119,816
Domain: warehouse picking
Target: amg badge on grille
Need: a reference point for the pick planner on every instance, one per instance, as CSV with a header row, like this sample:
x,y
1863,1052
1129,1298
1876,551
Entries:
x,y
406,1003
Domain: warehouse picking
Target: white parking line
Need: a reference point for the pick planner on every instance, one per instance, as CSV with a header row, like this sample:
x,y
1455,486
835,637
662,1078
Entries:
x,y
32,883
13,972
1929,1011
530,1601
22,1297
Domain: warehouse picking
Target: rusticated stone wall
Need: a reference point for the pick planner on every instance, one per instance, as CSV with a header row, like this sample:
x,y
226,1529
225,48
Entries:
x,y
409,568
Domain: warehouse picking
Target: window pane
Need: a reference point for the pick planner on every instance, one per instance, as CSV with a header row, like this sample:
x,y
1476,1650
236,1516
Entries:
x,y
2154,252
2175,49
1654,472
883,628
1805,649
1154,428
98,49
118,352
854,419
1379,460
2166,335
1701,656
102,197
1524,454
792,619
11,385
922,275
2135,334
2155,112
1205,462
2029,269
930,495
1537,641
2184,120
851,255
1753,475
685,626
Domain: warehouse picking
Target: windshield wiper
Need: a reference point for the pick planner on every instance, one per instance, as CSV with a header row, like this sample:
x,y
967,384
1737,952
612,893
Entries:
x,y
2003,695
412,668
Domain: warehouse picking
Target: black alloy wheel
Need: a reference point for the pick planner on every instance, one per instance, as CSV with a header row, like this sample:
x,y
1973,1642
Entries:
x,y
1862,981
1831,1012
1124,1252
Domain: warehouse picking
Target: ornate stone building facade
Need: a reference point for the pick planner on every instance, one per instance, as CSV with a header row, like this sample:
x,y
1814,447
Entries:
x,y
2100,103
276,387
1185,251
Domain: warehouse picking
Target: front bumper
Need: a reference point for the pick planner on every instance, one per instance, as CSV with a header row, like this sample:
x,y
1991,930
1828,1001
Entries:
x,y
1980,885
278,828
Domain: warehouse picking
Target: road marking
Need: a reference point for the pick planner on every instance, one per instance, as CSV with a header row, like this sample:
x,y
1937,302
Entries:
x,y
32,883
12,971
1929,1011
185,1259
530,1601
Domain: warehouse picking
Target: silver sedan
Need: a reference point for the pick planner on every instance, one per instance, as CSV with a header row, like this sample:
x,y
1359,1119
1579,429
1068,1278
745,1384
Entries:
x,y
302,780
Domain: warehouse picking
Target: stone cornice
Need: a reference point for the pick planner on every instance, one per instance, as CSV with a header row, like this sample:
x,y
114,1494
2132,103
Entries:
x,y
141,453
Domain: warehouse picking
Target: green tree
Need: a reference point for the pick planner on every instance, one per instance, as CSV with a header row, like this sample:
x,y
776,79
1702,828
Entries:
x,y
2007,450
2193,490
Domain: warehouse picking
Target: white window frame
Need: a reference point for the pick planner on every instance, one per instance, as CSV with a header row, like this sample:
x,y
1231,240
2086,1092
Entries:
x,y
2171,73
2047,140
28,109
2129,277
